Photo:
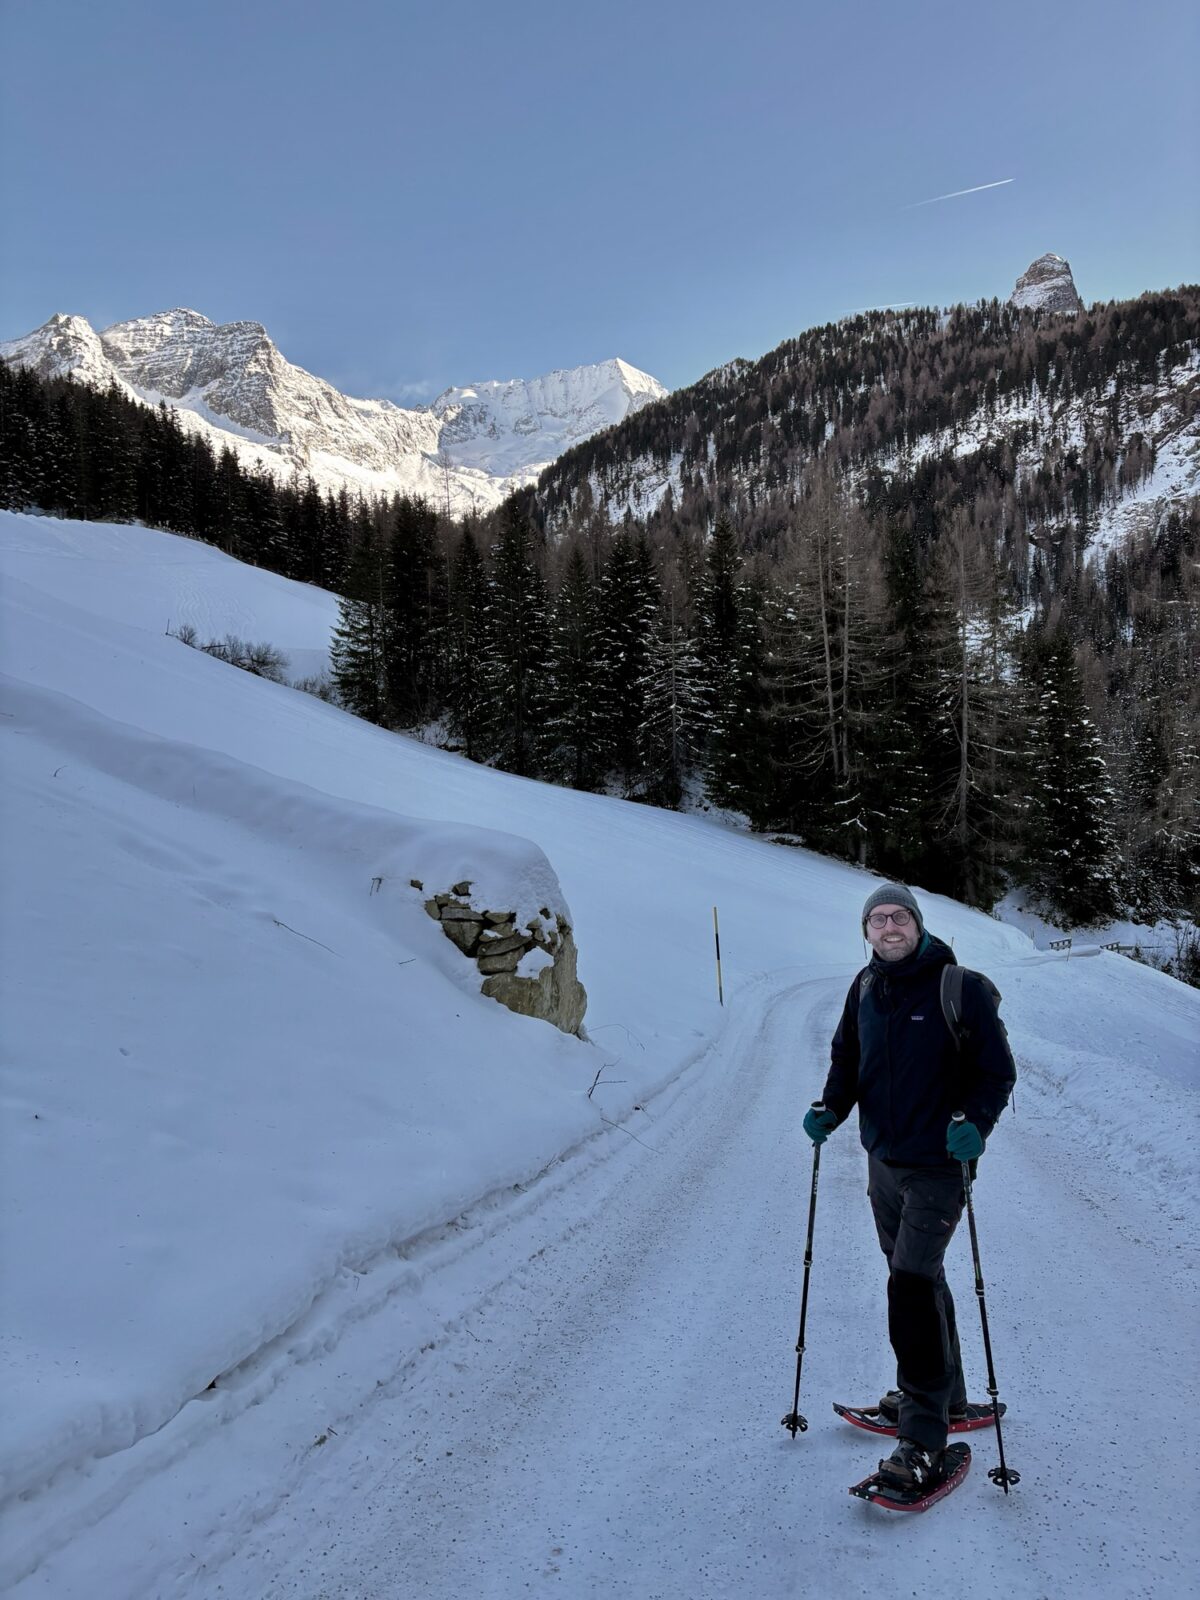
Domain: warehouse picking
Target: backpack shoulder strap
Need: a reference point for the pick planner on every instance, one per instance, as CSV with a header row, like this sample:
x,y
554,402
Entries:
x,y
954,980
860,989
952,1002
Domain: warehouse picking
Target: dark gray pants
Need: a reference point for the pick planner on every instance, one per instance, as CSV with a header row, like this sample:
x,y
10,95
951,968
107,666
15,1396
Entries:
x,y
916,1211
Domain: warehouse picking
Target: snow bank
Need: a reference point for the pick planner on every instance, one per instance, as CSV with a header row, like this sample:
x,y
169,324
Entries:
x,y
240,1060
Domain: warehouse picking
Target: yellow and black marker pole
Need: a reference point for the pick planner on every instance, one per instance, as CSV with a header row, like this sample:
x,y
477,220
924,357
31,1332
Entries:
x,y
717,938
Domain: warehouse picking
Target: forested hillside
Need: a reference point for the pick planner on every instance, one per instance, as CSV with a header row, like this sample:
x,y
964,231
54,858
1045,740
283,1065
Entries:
x,y
958,533
916,589
1026,417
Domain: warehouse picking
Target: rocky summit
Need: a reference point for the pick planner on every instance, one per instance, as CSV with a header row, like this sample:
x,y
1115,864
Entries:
x,y
1047,285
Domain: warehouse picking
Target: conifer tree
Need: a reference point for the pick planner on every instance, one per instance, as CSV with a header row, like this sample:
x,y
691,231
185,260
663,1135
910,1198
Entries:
x,y
311,530
200,463
288,554
359,651
333,558
165,488
13,442
629,599
469,702
416,598
110,457
1067,856
30,444
1153,760
730,651
246,513
575,724
922,751
675,713
798,793
517,643
983,813
64,442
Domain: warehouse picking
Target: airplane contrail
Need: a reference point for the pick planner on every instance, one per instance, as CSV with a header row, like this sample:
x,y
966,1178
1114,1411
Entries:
x,y
954,193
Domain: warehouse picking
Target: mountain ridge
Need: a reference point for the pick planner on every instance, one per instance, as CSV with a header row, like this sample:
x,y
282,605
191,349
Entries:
x,y
1110,396
465,452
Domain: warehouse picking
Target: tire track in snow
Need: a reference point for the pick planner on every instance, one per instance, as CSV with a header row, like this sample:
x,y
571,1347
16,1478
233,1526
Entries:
x,y
631,1350
619,1434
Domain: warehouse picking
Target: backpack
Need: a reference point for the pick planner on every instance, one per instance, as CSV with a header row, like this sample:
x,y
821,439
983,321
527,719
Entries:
x,y
951,990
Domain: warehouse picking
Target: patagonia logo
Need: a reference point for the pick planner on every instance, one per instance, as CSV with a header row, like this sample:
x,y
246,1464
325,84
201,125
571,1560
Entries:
x,y
918,1016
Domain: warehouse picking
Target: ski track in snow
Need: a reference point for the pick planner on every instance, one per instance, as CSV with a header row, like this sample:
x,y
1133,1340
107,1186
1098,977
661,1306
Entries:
x,y
577,1391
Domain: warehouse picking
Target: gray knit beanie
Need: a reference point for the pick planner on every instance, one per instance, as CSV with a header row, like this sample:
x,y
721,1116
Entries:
x,y
893,894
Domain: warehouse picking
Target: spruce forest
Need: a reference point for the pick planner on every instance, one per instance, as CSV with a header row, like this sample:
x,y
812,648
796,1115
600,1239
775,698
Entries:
x,y
857,591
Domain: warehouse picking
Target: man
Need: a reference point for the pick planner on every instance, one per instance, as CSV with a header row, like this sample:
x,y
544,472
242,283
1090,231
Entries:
x,y
893,1056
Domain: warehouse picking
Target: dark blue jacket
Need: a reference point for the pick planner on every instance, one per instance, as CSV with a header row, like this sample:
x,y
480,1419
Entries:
x,y
894,1057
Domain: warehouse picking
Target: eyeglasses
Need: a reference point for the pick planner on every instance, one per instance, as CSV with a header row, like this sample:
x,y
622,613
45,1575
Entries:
x,y
880,919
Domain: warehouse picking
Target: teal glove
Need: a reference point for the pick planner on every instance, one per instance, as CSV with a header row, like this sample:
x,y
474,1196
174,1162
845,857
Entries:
x,y
964,1141
818,1125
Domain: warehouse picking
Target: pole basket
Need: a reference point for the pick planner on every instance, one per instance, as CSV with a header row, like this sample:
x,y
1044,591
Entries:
x,y
795,1423
1003,1476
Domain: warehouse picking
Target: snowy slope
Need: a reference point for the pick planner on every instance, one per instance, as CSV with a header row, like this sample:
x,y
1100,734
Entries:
x,y
471,447
1164,411
169,582
1175,431
261,1129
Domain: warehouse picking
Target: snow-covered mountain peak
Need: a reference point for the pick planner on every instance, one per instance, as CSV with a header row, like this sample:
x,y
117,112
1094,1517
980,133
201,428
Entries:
x,y
573,389
521,425
160,325
232,368
467,450
1047,285
172,331
64,344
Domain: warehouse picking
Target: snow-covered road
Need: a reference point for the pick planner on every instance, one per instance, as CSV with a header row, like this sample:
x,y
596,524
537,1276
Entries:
x,y
577,1389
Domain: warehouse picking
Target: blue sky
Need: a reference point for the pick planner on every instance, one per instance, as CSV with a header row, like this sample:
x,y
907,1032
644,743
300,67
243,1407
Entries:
x,y
412,196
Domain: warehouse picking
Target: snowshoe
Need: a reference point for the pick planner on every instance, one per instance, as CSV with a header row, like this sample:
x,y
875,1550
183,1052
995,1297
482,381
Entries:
x,y
912,1466
912,1479
885,1417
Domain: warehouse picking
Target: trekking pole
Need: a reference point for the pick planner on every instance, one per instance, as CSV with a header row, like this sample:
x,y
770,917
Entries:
x,y
1002,1475
794,1422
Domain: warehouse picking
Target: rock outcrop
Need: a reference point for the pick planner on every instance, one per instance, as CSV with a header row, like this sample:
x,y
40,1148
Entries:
x,y
532,969
1047,285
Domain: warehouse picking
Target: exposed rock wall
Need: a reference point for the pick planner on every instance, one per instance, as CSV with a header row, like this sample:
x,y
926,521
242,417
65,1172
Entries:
x,y
531,970
1047,285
